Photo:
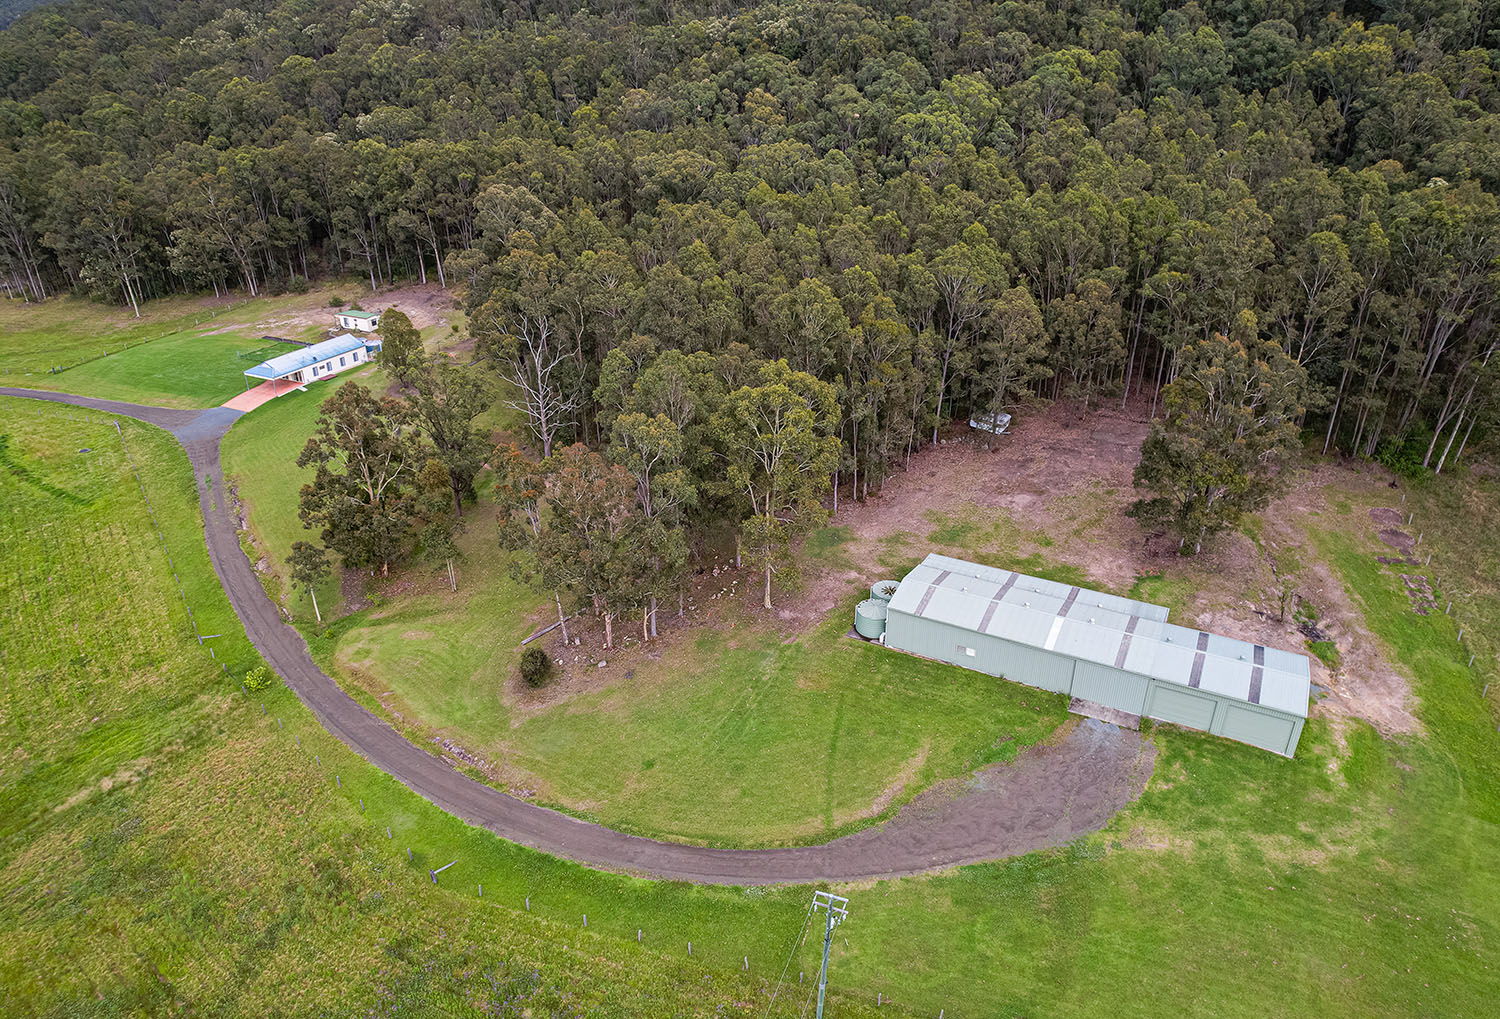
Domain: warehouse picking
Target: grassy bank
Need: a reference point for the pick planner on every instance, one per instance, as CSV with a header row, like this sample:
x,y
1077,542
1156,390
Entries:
x,y
725,740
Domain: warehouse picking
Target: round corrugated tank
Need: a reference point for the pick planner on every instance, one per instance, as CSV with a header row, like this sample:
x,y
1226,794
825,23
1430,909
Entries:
x,y
869,618
884,590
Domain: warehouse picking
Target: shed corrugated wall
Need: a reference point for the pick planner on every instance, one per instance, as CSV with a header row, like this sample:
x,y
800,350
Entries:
x,y
993,655
1116,688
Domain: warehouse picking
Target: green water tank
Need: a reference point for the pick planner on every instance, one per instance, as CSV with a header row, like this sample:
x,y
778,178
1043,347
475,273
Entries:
x,y
869,618
884,590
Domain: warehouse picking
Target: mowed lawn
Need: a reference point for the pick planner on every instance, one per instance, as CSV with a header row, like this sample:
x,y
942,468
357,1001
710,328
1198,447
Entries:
x,y
742,741
187,370
62,331
183,352
441,656
166,847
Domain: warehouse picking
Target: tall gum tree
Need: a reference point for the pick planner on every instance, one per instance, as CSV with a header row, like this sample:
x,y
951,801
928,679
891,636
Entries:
x,y
779,450
367,452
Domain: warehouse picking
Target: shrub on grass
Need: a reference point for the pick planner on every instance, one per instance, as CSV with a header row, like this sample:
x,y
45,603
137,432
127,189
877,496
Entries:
x,y
535,665
335,301
259,678
1327,652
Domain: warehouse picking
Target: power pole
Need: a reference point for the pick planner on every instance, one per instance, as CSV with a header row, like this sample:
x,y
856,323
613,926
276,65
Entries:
x,y
837,908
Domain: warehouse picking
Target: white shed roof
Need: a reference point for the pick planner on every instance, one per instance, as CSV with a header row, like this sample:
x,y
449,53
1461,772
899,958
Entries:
x,y
296,360
1103,628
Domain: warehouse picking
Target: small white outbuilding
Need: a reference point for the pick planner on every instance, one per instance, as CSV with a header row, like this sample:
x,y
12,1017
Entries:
x,y
359,321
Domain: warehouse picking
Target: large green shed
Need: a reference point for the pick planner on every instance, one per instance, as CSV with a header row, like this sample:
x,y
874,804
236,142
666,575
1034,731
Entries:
x,y
1102,648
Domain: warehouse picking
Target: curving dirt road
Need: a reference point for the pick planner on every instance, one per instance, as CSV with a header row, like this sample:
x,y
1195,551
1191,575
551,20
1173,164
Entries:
x,y
1046,797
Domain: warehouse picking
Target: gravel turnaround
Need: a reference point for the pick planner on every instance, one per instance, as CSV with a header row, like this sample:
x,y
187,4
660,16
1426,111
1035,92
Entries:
x,y
1048,796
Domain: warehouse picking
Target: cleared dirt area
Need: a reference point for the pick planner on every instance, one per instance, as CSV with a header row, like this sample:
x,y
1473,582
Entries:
x,y
1057,487
1047,477
1047,796
425,304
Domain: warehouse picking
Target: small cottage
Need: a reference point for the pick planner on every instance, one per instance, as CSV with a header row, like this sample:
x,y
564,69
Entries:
x,y
315,362
359,321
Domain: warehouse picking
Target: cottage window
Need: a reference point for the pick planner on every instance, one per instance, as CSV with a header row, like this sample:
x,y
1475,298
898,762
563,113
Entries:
x,y
341,362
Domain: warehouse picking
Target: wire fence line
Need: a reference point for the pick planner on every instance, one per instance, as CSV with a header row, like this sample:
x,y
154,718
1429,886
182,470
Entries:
x,y
109,349
1467,653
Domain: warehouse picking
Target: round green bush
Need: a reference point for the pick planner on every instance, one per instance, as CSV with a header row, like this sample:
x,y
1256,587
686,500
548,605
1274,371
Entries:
x,y
259,678
535,665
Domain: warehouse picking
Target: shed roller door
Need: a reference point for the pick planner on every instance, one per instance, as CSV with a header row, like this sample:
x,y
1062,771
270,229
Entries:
x,y
1257,728
1113,688
1183,707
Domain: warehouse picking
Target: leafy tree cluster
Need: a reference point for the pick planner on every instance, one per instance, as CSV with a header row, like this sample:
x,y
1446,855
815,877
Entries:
x,y
1230,426
389,469
694,441
936,211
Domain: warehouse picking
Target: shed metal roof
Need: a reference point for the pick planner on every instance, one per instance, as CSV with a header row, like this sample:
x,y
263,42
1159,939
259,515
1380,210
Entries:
x,y
360,314
1103,628
296,360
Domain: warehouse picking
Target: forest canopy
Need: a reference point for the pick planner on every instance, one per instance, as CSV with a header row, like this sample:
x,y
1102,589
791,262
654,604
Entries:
x,y
939,209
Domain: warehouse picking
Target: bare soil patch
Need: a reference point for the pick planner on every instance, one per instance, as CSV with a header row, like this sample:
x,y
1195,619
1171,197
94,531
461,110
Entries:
x,y
1398,540
1419,590
1386,516
1047,796
1052,475
1365,686
425,304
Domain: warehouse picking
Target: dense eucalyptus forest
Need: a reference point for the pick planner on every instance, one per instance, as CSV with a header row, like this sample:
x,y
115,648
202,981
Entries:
x,y
729,248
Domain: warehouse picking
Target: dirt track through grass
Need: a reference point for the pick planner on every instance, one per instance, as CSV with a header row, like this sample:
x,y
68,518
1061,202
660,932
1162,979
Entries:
x,y
958,838
1360,879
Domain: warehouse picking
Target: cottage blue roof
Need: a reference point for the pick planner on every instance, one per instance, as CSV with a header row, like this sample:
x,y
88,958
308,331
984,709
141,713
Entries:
x,y
296,360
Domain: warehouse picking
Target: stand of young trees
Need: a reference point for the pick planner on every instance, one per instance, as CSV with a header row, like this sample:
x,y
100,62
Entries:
x,y
694,442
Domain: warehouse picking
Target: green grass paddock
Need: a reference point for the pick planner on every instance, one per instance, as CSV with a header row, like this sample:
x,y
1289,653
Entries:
x,y
168,847
186,370
63,331
181,352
